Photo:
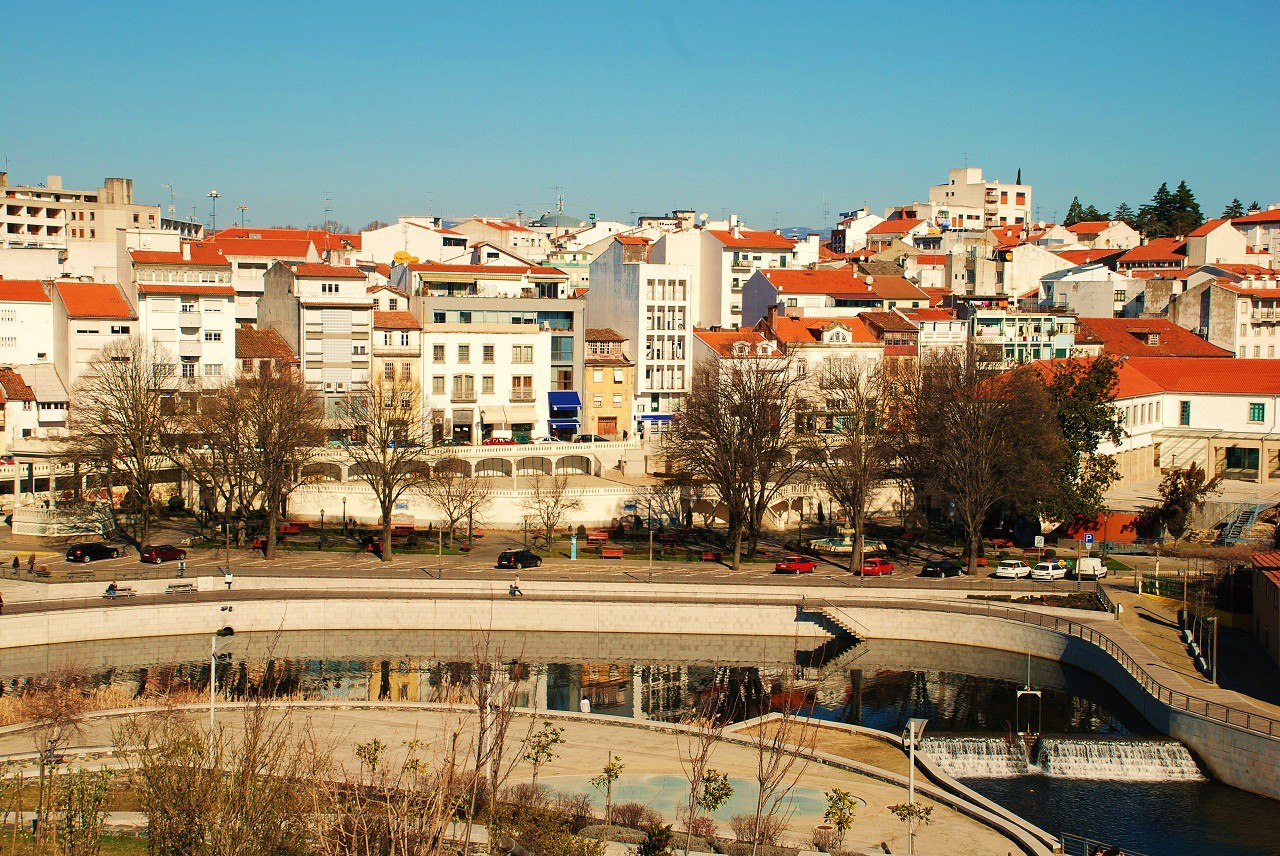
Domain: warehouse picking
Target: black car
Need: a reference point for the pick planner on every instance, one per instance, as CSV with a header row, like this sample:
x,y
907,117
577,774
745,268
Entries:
x,y
941,569
91,552
518,559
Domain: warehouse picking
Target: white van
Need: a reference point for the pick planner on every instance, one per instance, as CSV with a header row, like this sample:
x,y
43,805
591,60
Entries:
x,y
1091,568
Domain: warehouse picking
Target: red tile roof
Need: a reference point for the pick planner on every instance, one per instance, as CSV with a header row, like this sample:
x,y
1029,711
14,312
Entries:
x,y
202,255
843,282
1271,216
808,330
322,239
1128,337
265,344
1221,375
500,225
930,314
1087,257
192,288
604,334
22,291
399,320
323,271
722,341
1208,227
267,248
93,300
14,387
1269,559
752,239
888,322
493,270
1157,250
632,240
924,259
895,227
1089,227
1249,270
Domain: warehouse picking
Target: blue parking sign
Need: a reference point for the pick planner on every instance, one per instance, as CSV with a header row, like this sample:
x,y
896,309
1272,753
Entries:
x,y
1088,537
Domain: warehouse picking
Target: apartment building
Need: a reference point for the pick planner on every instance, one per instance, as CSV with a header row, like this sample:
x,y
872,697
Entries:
x,y
1217,242
50,215
650,304
1261,229
1105,234
972,201
324,314
939,329
251,257
1232,309
609,384
1094,291
194,321
851,232
417,238
1157,254
1006,338
906,229
34,404
512,237
87,316
825,292
397,345
26,322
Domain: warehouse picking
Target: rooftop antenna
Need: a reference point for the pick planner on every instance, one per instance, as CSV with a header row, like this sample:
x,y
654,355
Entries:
x,y
328,209
244,209
826,210
173,197
520,216
213,214
966,159
559,198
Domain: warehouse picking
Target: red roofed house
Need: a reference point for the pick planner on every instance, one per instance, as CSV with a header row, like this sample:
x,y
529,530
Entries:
x,y
1217,243
397,345
851,232
1261,229
87,316
1156,254
324,313
1233,307
26,322
827,292
250,257
258,349
905,229
1105,234
424,238
1140,337
1217,412
509,236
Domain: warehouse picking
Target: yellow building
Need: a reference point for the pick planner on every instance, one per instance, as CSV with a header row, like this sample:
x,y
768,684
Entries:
x,y
609,386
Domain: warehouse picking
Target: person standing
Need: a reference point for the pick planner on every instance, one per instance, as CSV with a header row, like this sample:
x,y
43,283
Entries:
x,y
515,591
230,577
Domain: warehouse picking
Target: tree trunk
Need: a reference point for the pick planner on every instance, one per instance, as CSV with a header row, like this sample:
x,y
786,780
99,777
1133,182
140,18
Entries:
x,y
737,549
974,541
859,541
386,531
273,524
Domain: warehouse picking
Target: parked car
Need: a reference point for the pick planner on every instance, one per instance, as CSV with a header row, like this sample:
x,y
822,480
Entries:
x,y
547,440
162,553
795,565
6,459
941,568
1049,571
590,438
876,568
449,441
1091,568
1013,569
500,441
518,559
91,552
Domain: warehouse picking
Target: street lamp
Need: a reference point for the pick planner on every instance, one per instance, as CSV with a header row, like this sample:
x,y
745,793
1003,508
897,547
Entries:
x,y
913,732
344,517
1214,667
213,667
213,219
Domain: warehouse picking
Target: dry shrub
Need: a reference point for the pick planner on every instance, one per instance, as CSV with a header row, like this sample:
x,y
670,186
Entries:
x,y
526,795
703,827
576,808
743,826
635,815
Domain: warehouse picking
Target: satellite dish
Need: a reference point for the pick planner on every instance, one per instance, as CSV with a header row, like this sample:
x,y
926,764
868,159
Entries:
x,y
703,217
1041,224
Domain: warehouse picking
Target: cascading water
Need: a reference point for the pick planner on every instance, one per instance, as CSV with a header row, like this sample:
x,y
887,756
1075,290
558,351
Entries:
x,y
1118,760
977,757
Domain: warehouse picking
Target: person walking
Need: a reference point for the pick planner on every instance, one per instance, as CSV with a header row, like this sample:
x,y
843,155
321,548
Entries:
x,y
16,563
515,591
31,562
230,577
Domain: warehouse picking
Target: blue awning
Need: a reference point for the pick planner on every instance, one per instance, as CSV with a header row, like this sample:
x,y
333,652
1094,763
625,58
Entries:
x,y
564,400
563,423
656,417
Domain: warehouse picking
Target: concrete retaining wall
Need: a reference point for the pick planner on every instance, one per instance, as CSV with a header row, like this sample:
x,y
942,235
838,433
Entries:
x,y
1241,758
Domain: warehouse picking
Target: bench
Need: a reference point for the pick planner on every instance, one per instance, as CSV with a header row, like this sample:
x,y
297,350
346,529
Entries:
x,y
79,575
41,572
712,555
597,539
121,591
610,552
180,588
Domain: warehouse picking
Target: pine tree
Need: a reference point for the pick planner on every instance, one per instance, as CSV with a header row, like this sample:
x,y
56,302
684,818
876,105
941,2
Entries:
x,y
1075,213
1235,209
1254,207
1187,215
1155,217
1126,214
1092,214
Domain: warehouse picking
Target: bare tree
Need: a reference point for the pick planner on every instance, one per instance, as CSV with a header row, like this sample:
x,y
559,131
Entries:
x,y
457,494
286,426
704,727
549,501
980,440
57,707
737,432
782,747
855,460
389,439
122,426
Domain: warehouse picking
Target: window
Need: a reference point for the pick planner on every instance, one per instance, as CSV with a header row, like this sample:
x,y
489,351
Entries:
x,y
1257,412
464,354
522,353
188,307
597,401
437,385
1184,413
359,350
404,340
617,401
377,307
122,329
1257,351
246,366
437,353
392,304
213,335
437,317
617,375
388,371
486,384
561,348
328,288
486,353
213,369
564,379
598,376
406,370
188,370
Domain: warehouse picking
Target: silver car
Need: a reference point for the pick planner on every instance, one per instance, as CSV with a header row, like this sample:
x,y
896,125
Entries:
x,y
1013,569
1049,571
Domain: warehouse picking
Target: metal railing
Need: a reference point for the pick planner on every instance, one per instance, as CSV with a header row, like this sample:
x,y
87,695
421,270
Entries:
x,y
1078,845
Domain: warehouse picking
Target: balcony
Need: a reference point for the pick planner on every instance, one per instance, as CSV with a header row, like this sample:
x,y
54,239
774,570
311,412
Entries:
x,y
522,394
189,348
1266,314
740,265
463,396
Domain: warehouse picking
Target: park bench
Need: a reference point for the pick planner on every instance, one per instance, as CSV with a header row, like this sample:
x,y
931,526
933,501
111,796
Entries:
x,y
80,575
597,539
667,538
712,555
180,588
42,572
121,591
610,552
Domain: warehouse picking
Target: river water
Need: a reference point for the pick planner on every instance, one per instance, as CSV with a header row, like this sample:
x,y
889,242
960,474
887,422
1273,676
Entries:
x,y
969,695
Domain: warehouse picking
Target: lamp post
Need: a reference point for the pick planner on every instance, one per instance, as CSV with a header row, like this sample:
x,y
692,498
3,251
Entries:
x,y
213,218
344,517
322,529
213,667
915,729
1213,669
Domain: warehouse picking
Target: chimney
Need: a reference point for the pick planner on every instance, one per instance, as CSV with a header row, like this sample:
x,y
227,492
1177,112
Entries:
x,y
186,251
733,226
771,316
4,179
53,182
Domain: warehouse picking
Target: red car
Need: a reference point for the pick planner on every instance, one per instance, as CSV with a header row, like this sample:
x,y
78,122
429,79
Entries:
x,y
500,441
876,568
162,553
795,565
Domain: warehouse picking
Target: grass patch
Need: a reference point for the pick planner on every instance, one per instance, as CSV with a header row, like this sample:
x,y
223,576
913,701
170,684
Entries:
x,y
1072,600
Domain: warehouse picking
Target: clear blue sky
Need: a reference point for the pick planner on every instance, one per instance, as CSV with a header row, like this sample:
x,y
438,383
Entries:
x,y
758,108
